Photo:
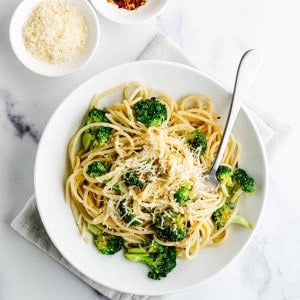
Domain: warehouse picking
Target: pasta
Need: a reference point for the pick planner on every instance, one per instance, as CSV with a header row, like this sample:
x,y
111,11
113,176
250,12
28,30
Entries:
x,y
163,157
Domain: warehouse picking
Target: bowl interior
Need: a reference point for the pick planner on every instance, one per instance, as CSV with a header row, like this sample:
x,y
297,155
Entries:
x,y
20,18
151,9
50,171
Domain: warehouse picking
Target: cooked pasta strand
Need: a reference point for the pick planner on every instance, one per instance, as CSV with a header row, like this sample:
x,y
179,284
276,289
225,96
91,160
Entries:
x,y
134,146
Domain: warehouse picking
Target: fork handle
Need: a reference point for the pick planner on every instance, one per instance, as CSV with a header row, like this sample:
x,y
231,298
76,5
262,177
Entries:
x,y
248,68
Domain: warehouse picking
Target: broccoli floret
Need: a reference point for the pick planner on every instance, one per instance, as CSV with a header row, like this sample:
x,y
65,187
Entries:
x,y
98,168
224,176
183,193
136,179
106,243
147,246
127,214
96,136
160,259
197,141
150,112
234,183
170,226
242,183
241,178
116,187
222,215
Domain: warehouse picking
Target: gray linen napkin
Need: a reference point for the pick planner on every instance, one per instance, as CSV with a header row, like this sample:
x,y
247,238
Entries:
x,y
29,224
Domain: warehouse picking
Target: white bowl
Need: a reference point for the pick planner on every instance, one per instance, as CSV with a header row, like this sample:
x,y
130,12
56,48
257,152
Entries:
x,y
18,20
144,13
51,170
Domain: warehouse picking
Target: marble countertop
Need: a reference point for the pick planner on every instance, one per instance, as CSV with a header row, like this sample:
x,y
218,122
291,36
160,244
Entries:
x,y
214,34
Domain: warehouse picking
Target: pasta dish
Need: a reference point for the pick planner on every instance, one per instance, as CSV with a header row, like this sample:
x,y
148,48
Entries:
x,y
137,177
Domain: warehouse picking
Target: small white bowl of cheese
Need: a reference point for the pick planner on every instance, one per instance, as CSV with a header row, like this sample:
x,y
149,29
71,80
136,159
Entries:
x,y
54,37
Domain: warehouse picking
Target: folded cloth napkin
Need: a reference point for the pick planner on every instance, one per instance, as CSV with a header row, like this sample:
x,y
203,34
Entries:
x,y
28,222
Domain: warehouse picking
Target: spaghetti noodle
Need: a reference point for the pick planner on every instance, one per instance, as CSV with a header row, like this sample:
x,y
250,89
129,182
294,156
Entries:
x,y
163,156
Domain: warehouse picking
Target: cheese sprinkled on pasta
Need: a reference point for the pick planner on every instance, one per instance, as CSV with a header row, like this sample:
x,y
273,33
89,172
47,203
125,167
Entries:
x,y
162,158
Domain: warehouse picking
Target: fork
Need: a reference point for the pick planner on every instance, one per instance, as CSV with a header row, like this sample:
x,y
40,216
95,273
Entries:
x,y
249,66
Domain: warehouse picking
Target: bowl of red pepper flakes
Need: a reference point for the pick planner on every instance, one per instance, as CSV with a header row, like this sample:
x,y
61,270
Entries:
x,y
128,4
129,11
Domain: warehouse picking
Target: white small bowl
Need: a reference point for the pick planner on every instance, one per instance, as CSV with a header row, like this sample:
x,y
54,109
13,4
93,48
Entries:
x,y
20,17
144,13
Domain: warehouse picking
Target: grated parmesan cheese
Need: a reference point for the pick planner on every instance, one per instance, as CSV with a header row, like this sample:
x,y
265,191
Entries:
x,y
56,32
160,149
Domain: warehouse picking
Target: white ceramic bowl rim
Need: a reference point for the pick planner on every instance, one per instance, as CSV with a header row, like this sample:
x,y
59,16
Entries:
x,y
240,237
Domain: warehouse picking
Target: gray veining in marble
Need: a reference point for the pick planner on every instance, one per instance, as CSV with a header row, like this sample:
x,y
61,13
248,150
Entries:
x,y
18,121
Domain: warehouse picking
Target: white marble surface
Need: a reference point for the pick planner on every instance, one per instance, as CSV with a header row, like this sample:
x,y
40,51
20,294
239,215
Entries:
x,y
213,34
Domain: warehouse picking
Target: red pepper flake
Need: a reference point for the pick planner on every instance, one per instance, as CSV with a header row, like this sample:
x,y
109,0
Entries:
x,y
128,4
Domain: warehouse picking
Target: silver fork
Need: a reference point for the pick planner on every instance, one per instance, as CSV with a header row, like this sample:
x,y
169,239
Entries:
x,y
248,67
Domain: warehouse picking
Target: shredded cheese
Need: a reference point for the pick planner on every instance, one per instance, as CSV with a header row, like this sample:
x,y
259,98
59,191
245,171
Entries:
x,y
158,156
172,155
56,32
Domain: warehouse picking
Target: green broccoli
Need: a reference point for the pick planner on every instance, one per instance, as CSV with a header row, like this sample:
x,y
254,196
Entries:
x,y
116,187
224,176
234,183
197,141
147,246
136,179
106,243
98,168
127,214
96,136
150,112
170,226
242,183
183,193
160,259
223,214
